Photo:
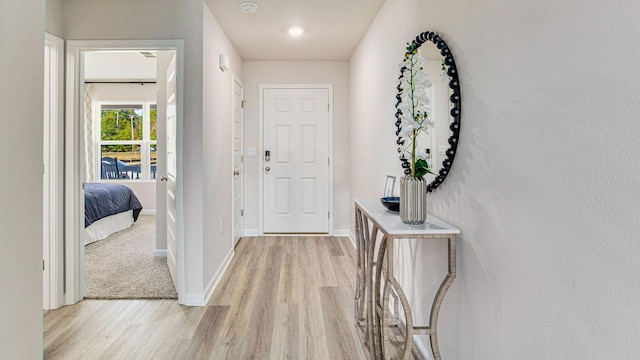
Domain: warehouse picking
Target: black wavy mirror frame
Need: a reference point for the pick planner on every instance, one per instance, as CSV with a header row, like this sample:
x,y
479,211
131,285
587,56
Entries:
x,y
454,112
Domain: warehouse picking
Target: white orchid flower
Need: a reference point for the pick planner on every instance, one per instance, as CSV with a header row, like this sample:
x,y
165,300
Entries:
x,y
415,105
407,130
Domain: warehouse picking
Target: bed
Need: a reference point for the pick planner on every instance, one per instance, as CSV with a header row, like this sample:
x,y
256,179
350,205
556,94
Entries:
x,y
108,208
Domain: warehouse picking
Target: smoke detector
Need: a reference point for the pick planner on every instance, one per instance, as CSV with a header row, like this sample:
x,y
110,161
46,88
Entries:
x,y
248,8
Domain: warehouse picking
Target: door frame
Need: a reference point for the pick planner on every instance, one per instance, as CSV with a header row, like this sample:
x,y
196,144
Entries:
x,y
234,80
262,88
53,236
74,155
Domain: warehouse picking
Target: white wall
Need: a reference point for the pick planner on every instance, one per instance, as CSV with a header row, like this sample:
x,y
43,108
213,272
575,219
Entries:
x,y
145,190
21,106
545,183
321,72
161,19
217,145
123,92
54,17
207,113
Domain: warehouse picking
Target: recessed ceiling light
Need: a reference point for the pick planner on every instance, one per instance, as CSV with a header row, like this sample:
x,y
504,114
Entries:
x,y
295,31
248,8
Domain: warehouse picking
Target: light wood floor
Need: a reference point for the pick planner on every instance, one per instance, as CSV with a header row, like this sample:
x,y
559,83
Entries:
x,y
281,298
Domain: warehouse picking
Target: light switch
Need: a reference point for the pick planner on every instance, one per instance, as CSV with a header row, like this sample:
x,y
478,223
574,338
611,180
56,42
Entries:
x,y
223,62
251,152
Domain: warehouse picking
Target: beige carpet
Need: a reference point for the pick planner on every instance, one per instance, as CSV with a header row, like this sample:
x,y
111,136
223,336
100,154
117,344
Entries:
x,y
123,266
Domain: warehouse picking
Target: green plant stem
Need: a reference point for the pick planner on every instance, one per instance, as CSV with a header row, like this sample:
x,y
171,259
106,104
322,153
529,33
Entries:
x,y
413,155
413,116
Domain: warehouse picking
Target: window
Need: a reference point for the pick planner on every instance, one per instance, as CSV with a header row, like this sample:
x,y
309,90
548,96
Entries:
x,y
127,141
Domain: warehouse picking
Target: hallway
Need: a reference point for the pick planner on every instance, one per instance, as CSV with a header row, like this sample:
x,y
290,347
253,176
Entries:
x,y
281,297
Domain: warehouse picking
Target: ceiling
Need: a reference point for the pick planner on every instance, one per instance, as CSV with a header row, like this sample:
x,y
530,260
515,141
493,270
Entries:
x,y
332,28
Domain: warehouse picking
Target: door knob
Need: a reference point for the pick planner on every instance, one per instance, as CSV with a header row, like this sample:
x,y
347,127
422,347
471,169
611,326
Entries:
x,y
267,168
163,178
236,172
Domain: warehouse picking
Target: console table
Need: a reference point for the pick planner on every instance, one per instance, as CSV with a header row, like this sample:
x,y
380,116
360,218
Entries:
x,y
375,281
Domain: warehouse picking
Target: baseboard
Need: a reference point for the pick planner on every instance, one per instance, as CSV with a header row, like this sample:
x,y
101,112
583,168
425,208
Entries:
x,y
346,233
148,212
218,276
160,253
353,240
251,232
337,232
422,348
202,298
341,232
194,299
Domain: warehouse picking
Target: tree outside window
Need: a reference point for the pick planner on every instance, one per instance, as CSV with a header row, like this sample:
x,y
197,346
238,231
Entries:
x,y
128,138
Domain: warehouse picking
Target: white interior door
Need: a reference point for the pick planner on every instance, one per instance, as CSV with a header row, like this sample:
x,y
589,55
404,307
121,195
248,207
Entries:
x,y
238,91
170,178
296,169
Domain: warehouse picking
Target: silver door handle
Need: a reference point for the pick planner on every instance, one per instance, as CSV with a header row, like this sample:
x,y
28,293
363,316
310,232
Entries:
x,y
267,169
164,178
236,172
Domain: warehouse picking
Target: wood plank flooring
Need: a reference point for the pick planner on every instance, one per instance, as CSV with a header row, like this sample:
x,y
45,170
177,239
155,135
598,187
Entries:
x,y
281,298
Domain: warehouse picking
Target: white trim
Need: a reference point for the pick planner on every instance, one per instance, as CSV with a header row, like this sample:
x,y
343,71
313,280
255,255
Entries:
x,y
260,154
74,166
180,240
193,299
352,237
201,299
53,204
252,233
342,232
422,348
261,88
160,253
294,235
144,143
213,284
74,170
235,80
48,126
148,212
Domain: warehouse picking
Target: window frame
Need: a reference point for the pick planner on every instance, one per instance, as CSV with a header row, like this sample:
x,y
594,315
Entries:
x,y
145,143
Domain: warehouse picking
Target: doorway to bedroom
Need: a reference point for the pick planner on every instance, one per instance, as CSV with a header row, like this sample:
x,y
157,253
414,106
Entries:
x,y
125,110
124,257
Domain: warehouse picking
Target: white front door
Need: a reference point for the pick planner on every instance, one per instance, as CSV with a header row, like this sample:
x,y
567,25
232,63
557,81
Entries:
x,y
237,160
172,254
296,160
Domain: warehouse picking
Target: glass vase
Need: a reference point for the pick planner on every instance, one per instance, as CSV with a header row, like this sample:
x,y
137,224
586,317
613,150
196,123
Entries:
x,y
413,200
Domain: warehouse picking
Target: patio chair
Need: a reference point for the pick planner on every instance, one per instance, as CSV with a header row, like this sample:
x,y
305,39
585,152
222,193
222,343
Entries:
x,y
109,168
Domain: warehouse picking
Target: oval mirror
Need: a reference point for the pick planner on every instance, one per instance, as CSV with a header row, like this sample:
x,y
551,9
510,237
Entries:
x,y
439,143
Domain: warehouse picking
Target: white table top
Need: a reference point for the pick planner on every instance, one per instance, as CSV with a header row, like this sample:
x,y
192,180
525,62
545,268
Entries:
x,y
390,223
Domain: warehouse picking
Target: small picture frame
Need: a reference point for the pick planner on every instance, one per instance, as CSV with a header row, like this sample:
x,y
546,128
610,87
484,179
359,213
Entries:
x,y
389,185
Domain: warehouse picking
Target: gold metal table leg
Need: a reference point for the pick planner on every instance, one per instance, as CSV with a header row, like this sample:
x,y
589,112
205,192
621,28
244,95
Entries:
x,y
437,301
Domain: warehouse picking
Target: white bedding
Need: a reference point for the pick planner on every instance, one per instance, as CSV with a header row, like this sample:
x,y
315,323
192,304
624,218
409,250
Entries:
x,y
107,226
